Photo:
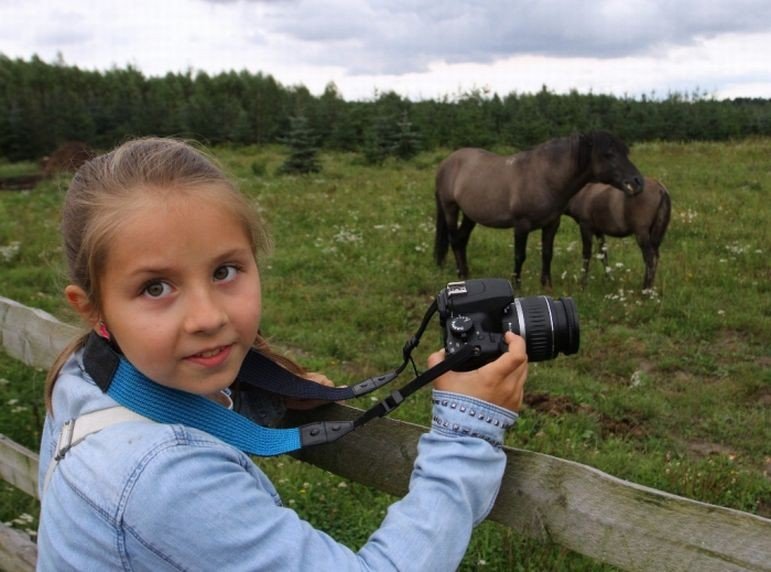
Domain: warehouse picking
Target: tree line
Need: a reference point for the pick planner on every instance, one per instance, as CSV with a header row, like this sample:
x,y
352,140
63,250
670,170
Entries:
x,y
46,104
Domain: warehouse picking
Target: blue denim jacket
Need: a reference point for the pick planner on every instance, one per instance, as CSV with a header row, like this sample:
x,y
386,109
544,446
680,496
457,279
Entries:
x,y
148,496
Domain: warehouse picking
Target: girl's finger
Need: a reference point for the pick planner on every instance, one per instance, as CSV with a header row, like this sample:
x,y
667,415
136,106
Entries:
x,y
436,358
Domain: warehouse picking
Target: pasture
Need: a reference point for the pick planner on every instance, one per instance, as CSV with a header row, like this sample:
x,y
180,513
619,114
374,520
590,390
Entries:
x,y
670,389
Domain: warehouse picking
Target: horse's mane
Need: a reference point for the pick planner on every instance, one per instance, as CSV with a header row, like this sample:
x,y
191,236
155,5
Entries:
x,y
581,145
600,140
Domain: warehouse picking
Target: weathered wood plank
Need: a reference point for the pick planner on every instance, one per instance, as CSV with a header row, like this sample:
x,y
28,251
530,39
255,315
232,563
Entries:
x,y
18,466
17,552
582,508
579,507
31,335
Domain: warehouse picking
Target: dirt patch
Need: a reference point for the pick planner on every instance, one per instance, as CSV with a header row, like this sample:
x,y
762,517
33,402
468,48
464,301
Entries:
x,y
627,426
550,404
561,404
731,341
762,397
66,158
705,449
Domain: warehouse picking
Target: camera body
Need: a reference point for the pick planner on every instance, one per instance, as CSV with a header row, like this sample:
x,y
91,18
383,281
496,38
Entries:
x,y
479,312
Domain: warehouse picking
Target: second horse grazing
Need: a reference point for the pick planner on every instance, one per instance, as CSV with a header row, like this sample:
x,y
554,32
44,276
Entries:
x,y
526,191
601,210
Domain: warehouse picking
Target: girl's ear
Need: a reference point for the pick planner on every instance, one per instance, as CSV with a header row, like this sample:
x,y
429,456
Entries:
x,y
79,301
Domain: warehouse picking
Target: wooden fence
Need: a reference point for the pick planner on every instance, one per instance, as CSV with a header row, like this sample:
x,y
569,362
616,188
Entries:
x,y
608,519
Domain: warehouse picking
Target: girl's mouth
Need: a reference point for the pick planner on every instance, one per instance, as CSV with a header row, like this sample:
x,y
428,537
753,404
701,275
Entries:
x,y
212,357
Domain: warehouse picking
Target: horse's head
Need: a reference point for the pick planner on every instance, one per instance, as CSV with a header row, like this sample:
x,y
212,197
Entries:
x,y
607,157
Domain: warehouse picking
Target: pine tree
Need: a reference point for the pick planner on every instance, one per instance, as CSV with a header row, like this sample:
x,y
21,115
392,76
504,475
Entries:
x,y
408,141
302,148
381,140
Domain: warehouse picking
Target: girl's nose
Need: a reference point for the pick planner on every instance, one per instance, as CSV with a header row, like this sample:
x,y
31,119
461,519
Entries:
x,y
204,314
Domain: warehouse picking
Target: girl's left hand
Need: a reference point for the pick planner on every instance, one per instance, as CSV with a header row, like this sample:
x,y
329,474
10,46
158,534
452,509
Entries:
x,y
304,404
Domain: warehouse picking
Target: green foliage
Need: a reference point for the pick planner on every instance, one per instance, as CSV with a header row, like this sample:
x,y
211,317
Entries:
x,y
380,140
391,136
670,389
302,148
258,168
407,139
43,105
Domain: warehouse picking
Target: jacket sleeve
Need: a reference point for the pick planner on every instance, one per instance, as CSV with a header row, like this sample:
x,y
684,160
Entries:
x,y
218,511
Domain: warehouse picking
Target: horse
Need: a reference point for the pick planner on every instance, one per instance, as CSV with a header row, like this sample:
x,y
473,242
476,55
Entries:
x,y
600,210
527,191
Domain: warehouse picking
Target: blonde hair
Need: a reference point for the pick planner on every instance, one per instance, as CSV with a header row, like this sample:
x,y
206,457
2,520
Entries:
x,y
105,188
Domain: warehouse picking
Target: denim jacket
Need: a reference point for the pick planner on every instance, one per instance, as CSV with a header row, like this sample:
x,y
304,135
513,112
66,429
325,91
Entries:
x,y
149,496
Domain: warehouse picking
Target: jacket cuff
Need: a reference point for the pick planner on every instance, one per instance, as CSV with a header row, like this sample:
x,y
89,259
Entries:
x,y
455,414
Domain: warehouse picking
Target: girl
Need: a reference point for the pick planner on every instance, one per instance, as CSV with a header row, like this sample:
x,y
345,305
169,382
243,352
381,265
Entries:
x,y
162,259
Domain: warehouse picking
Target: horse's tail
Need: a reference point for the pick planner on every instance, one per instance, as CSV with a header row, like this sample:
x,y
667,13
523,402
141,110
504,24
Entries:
x,y
442,237
661,220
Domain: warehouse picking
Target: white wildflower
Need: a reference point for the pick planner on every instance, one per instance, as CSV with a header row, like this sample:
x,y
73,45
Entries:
x,y
10,251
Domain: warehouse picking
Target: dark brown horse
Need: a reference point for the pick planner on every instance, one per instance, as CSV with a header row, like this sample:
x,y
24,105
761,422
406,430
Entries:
x,y
601,210
526,191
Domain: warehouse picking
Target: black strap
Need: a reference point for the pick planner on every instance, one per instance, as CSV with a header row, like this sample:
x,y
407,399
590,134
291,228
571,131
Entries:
x,y
397,397
260,371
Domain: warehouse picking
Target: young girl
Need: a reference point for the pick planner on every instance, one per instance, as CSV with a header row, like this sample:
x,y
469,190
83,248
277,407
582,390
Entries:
x,y
162,259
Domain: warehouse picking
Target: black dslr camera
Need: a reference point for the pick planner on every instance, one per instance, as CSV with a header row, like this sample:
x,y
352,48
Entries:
x,y
479,312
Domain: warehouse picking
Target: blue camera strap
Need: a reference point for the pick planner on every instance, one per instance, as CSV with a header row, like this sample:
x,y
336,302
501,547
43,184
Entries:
x,y
137,392
119,379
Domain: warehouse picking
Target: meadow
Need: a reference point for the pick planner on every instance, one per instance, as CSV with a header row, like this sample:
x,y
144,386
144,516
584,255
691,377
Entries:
x,y
670,389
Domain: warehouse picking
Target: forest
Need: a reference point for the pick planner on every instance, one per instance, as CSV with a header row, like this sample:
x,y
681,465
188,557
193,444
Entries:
x,y
46,104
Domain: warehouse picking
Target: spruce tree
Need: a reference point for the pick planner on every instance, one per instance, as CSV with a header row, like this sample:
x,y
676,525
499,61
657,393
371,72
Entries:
x,y
302,148
381,140
408,139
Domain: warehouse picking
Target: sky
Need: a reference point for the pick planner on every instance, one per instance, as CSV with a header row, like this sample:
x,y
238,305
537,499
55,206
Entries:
x,y
418,49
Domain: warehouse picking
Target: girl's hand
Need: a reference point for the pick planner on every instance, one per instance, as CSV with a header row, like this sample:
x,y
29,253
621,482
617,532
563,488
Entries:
x,y
500,382
304,404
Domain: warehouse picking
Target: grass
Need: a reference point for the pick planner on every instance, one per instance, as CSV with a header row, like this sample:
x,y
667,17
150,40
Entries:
x,y
670,389
8,169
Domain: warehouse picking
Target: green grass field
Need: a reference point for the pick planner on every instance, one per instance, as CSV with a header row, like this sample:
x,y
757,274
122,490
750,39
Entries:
x,y
670,390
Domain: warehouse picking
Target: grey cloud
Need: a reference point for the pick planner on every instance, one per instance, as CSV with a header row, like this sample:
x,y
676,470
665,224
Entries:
x,y
382,36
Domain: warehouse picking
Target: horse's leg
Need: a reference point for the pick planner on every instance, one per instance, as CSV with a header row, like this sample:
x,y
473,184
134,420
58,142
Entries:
x,y
586,251
548,233
459,241
650,256
520,253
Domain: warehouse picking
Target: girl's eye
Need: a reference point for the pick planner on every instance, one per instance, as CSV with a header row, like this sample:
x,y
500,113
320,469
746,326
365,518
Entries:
x,y
157,290
225,273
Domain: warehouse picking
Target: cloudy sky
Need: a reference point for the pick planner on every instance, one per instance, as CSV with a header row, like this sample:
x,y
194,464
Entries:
x,y
420,49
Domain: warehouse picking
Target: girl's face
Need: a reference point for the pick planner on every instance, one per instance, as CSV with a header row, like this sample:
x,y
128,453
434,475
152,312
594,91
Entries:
x,y
181,292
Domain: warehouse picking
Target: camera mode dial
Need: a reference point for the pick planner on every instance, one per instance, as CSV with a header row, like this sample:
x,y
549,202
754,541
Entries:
x,y
461,325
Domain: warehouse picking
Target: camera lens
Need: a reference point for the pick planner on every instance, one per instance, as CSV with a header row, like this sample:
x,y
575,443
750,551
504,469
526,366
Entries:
x,y
549,326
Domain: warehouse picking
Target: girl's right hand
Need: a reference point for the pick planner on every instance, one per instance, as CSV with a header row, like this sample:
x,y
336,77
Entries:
x,y
500,382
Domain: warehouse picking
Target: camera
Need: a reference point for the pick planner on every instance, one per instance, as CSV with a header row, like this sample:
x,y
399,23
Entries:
x,y
479,312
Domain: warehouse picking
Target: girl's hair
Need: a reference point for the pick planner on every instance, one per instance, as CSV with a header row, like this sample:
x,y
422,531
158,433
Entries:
x,y
109,186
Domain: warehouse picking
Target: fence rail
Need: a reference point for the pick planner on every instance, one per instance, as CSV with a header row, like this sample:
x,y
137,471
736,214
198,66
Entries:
x,y
608,519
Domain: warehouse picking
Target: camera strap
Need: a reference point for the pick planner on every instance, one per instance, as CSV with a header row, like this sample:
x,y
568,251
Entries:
x,y
119,379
